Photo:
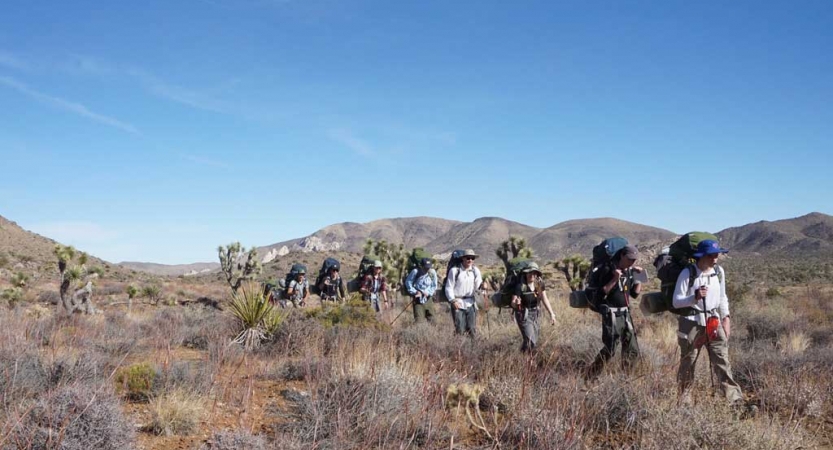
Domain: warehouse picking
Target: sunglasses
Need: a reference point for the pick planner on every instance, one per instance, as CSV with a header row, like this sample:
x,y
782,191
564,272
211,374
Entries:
x,y
468,258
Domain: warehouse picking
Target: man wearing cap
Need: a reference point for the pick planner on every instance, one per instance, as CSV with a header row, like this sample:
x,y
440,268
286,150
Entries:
x,y
527,299
421,283
298,290
612,301
460,286
375,287
702,287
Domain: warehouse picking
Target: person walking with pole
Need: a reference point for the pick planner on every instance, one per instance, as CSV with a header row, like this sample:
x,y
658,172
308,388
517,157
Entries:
x,y
421,283
702,287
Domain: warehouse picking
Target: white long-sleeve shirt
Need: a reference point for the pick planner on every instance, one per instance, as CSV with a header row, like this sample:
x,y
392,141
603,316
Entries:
x,y
716,299
462,284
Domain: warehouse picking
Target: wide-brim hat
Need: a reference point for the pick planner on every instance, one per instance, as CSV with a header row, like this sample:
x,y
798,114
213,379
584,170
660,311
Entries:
x,y
469,252
377,263
532,267
709,247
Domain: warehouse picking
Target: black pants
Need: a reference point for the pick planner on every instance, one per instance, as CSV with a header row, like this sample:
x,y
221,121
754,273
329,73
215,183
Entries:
x,y
615,329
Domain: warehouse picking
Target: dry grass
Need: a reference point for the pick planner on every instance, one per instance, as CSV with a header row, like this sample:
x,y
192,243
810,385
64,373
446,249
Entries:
x,y
176,413
342,378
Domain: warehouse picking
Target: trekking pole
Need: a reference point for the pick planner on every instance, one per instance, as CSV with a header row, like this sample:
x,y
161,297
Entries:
x,y
708,341
403,310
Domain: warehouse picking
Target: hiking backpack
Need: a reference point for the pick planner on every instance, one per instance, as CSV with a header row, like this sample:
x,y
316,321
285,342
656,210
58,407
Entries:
x,y
603,254
414,258
669,265
456,260
329,263
293,272
365,266
503,297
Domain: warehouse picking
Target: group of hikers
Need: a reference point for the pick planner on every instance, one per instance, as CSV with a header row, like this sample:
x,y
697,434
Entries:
x,y
694,289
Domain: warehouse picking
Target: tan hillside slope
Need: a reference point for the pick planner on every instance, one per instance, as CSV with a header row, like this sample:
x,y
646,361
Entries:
x,y
580,236
810,235
483,235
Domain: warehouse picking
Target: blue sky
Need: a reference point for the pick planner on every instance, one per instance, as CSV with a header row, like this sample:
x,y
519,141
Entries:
x,y
157,130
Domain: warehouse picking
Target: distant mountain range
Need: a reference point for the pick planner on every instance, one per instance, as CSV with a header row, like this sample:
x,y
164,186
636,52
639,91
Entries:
x,y
806,236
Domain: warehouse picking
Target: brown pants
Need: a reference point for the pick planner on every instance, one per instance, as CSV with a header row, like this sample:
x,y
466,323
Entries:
x,y
718,351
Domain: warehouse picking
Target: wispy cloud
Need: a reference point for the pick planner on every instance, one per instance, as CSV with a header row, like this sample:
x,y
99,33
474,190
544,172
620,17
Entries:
x,y
345,137
75,108
12,61
207,162
86,65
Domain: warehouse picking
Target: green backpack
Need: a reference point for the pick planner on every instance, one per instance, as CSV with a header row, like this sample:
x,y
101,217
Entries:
x,y
503,298
669,265
365,266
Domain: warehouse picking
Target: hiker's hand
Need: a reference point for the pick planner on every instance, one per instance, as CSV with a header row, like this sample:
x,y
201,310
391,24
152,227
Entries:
x,y
727,326
638,269
701,292
516,302
458,304
552,318
617,274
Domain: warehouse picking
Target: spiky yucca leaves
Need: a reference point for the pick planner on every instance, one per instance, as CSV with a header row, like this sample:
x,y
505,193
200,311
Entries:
x,y
19,280
258,319
12,295
575,270
233,267
69,274
514,247
394,259
153,293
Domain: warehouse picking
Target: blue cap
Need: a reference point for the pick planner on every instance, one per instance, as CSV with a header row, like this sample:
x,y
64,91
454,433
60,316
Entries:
x,y
708,247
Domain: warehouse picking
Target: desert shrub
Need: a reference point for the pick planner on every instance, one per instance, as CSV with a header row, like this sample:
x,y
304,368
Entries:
x,y
12,295
307,369
235,440
182,375
258,320
175,413
110,289
772,292
355,313
50,297
76,417
4,260
136,381
297,335
22,375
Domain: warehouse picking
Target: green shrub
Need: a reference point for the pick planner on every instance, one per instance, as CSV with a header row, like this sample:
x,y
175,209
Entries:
x,y
136,381
355,313
772,292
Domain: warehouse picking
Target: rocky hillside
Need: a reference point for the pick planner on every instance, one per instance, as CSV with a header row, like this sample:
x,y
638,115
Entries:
x,y
810,235
580,236
171,270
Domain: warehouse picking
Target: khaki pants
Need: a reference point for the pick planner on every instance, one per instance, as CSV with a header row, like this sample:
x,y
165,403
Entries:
x,y
423,311
530,326
718,351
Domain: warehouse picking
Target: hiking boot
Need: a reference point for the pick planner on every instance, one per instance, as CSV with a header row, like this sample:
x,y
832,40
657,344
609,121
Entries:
x,y
686,400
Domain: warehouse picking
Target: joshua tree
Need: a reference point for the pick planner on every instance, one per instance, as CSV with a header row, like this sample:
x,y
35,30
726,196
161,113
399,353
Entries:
x,y
77,299
233,267
513,248
152,292
394,259
575,269
132,292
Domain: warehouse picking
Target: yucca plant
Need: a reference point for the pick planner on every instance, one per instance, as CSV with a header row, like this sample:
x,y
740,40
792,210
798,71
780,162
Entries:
x,y
258,319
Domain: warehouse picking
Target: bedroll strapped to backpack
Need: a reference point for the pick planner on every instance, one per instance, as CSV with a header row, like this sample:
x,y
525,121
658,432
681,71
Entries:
x,y
365,266
455,260
293,272
329,263
503,297
414,259
669,266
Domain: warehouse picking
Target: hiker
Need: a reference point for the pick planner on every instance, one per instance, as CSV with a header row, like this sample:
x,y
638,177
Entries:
x,y
421,284
529,294
461,284
375,287
298,290
331,287
710,325
613,286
